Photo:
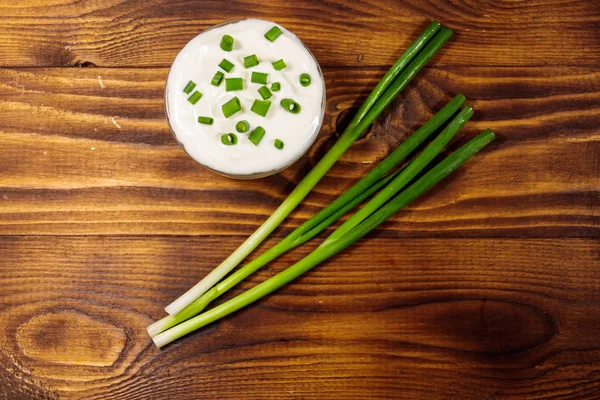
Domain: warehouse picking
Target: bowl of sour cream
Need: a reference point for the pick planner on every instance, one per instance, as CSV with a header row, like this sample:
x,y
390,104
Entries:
x,y
245,99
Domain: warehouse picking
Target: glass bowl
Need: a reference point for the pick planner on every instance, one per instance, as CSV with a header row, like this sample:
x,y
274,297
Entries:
x,y
292,160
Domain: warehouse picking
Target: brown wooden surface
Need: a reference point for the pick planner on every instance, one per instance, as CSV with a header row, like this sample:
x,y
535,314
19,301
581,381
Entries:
x,y
487,287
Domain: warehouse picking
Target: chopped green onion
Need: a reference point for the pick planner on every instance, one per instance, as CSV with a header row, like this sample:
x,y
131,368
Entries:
x,y
265,93
189,87
251,61
217,78
261,107
279,64
242,127
195,97
229,139
273,34
259,77
291,106
278,144
276,86
256,135
227,43
231,107
206,120
305,80
226,65
232,84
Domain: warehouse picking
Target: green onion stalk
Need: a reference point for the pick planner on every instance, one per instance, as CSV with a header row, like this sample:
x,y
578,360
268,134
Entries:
x,y
393,82
334,244
363,189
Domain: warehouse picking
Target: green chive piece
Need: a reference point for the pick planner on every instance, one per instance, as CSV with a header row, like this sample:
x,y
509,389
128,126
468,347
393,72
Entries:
x,y
227,43
256,135
189,87
226,65
251,61
217,78
273,34
305,80
232,84
278,144
259,77
206,120
291,106
265,93
276,86
261,107
229,139
231,107
242,127
279,64
195,97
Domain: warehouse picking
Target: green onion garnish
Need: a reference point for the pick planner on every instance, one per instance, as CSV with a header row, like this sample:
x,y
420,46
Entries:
x,y
229,139
242,126
256,135
231,107
279,64
265,93
232,84
217,78
305,80
291,106
189,87
276,86
251,61
195,97
261,107
273,34
227,43
226,65
259,77
206,120
278,144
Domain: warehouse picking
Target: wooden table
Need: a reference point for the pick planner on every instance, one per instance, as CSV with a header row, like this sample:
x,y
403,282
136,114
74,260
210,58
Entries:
x,y
487,287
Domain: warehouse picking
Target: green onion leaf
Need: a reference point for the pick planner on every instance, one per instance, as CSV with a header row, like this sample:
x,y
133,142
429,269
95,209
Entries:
x,y
232,84
231,107
242,126
273,34
217,78
227,43
251,61
265,93
291,106
276,86
261,107
256,135
195,97
189,87
278,144
226,65
279,64
259,77
206,120
229,139
305,80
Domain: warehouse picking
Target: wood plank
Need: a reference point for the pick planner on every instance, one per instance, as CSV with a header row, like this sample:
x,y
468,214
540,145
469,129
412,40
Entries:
x,y
68,145
341,33
435,318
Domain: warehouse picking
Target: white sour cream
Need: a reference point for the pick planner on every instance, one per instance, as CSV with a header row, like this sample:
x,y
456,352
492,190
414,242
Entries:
x,y
198,61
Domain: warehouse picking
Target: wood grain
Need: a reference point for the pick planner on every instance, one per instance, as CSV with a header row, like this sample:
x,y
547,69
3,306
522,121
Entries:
x,y
81,144
340,33
480,318
485,288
